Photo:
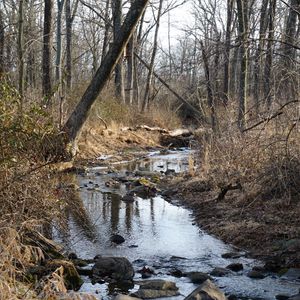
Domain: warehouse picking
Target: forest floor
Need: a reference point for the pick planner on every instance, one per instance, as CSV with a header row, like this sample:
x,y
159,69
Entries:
x,y
267,229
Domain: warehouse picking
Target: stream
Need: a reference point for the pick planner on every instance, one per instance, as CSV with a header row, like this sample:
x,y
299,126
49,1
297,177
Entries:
x,y
158,233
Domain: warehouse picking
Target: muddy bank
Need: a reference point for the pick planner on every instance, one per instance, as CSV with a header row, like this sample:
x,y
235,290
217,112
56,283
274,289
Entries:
x,y
269,230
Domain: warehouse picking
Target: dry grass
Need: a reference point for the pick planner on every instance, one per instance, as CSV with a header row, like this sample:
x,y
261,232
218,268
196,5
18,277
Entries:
x,y
265,160
27,191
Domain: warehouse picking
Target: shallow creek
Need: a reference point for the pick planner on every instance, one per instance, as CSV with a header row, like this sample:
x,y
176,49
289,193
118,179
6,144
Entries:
x,y
157,233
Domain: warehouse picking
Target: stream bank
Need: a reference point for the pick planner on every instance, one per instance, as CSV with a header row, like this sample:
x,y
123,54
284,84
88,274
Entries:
x,y
157,233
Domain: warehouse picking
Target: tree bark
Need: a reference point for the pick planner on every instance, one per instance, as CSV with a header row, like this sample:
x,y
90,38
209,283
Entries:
x,y
107,26
153,56
79,115
210,96
258,55
243,35
226,83
119,70
269,55
47,46
21,51
68,44
60,7
2,45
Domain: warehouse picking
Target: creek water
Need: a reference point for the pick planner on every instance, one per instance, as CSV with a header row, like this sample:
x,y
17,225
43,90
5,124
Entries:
x,y
157,233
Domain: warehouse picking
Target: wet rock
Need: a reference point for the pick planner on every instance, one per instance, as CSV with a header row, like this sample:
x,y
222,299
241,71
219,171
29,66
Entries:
x,y
236,267
115,268
72,296
256,274
282,297
154,294
143,191
176,273
170,172
232,297
133,246
151,289
72,256
158,284
296,297
146,272
124,297
219,272
117,239
274,264
176,258
71,277
206,291
292,274
197,277
146,173
231,255
84,271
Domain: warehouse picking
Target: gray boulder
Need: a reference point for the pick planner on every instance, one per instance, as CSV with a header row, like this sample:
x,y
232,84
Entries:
x,y
219,272
151,289
206,291
197,277
112,268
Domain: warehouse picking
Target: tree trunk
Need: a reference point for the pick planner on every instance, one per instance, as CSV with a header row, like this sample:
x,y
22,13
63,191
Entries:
x,y
106,32
153,56
78,117
243,35
258,55
210,96
68,44
130,69
47,46
119,71
60,7
21,50
2,45
226,83
269,55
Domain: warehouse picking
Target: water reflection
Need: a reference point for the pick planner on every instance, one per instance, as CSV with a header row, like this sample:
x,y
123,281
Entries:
x,y
159,229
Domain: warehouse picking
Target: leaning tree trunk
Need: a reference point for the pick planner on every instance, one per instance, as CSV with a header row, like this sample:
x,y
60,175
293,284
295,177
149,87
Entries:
x,y
47,46
79,115
243,34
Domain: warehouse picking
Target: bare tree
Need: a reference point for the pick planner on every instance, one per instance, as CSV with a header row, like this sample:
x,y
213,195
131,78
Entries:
x,y
119,71
153,56
47,46
227,51
242,11
2,45
21,50
78,117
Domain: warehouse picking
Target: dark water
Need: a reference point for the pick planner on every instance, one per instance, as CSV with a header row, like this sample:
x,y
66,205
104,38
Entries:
x,y
163,234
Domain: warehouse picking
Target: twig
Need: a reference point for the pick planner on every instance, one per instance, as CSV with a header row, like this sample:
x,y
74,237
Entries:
x,y
229,187
275,115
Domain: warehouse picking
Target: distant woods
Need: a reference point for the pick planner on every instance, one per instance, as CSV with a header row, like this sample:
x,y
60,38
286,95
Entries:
x,y
235,53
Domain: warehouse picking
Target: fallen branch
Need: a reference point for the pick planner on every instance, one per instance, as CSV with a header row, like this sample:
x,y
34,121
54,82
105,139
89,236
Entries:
x,y
275,115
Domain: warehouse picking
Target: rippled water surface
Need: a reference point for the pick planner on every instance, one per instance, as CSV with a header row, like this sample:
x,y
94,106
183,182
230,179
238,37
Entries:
x,y
157,233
